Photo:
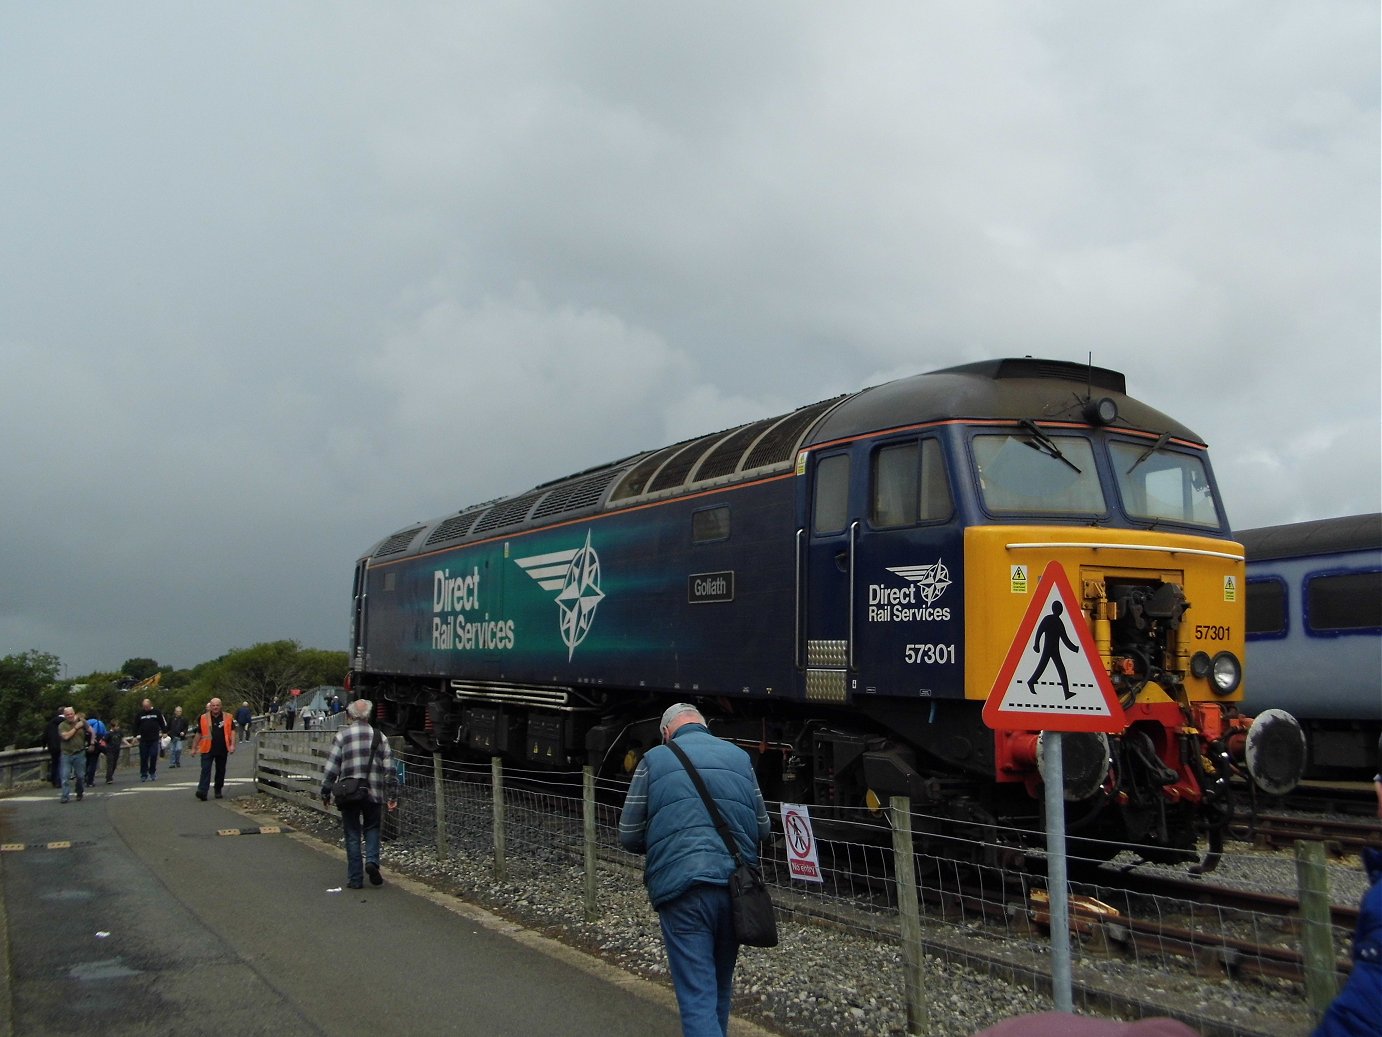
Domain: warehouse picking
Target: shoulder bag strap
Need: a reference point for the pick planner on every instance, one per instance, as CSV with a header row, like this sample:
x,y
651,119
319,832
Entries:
x,y
720,825
369,760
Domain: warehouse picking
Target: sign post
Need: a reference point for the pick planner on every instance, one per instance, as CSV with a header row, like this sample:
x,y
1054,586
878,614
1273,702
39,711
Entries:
x,y
1075,695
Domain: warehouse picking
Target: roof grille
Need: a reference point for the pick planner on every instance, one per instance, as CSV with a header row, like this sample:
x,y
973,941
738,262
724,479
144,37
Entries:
x,y
637,479
507,513
398,542
455,526
780,443
724,459
675,471
575,495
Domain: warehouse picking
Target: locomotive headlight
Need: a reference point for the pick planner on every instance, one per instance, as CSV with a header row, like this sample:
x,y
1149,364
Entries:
x,y
1200,665
1227,673
1103,411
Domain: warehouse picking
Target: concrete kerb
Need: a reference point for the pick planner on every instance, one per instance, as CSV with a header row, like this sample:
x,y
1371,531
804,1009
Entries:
x,y
639,987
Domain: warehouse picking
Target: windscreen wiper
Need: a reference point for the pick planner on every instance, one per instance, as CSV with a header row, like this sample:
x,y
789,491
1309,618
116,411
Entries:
x,y
1047,443
1161,442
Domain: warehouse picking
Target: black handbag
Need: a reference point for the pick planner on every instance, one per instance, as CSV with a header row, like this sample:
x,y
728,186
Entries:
x,y
755,924
353,791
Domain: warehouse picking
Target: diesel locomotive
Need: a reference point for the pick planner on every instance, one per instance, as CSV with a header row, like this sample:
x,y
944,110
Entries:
x,y
837,588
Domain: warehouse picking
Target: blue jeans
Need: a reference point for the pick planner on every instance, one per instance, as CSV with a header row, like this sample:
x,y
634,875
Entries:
x,y
358,822
698,931
148,758
176,750
73,770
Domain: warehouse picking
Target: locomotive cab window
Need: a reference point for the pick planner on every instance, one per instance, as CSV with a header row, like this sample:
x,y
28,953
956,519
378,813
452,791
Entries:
x,y
1038,474
709,525
1266,608
909,485
830,511
1163,485
1339,602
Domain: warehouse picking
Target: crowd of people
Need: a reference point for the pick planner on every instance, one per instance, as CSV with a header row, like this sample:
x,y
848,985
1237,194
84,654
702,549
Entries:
x,y
77,744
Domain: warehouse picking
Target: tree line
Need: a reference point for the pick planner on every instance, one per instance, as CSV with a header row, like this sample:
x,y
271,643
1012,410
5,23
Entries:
x,y
31,692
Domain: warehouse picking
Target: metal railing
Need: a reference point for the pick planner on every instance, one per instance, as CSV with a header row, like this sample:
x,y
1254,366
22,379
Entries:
x,y
24,766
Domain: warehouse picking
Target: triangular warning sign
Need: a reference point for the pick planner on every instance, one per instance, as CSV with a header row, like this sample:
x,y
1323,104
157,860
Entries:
x,y
1053,679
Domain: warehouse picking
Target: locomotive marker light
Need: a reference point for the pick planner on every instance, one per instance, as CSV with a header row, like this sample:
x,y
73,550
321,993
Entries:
x,y
1082,699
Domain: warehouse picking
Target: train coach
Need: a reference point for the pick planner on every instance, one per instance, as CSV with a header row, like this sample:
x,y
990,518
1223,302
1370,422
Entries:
x,y
1314,623
838,587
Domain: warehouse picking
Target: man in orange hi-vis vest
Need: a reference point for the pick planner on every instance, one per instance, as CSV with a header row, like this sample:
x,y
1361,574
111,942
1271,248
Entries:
x,y
215,743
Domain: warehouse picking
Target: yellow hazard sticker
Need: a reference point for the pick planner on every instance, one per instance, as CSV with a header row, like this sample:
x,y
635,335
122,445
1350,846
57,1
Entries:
x,y
1230,588
1018,575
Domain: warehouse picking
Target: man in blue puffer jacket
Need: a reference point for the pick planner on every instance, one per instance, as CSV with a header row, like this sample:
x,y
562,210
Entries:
x,y
1357,1011
688,868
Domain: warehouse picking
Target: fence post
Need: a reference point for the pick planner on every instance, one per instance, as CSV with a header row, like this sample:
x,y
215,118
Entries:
x,y
496,769
909,913
1317,934
439,794
588,816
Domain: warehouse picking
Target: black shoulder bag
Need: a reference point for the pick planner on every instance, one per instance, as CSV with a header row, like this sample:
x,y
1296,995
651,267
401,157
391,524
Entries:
x,y
354,791
755,925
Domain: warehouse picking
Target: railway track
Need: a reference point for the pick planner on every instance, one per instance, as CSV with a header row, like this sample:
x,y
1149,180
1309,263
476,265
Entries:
x,y
1340,836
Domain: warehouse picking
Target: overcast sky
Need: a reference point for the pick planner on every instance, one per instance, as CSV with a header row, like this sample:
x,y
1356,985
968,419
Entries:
x,y
277,279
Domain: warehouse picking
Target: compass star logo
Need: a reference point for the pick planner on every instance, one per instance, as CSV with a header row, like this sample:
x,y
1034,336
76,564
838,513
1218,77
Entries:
x,y
931,580
575,576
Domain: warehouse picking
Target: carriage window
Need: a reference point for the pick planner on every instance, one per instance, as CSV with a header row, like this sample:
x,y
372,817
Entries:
x,y
1266,607
1164,485
1344,601
1054,475
832,494
710,524
909,485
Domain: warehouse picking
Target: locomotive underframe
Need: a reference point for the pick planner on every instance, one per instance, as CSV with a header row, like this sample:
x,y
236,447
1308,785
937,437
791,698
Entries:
x,y
840,760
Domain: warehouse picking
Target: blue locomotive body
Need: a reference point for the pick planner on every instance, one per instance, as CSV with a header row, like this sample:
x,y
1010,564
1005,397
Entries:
x,y
1315,635
837,587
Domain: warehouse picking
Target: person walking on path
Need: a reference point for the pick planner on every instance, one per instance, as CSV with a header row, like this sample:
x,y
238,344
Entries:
x,y
177,731
289,715
95,747
358,750
687,869
72,734
150,726
115,745
215,742
244,716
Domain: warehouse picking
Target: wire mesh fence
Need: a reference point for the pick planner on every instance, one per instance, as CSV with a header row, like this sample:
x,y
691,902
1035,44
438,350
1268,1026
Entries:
x,y
988,916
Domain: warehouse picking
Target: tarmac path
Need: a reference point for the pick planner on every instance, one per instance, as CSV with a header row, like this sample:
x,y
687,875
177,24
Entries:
x,y
127,913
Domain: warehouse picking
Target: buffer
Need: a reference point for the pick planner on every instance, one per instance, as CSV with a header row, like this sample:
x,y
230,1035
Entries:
x,y
1053,678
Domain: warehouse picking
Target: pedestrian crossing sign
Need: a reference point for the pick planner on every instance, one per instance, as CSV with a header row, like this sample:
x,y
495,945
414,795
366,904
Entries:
x,y
1053,678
